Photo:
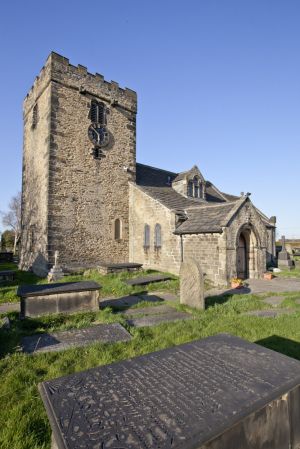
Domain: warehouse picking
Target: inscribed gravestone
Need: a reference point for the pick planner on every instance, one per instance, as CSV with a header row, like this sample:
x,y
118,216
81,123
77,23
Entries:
x,y
191,284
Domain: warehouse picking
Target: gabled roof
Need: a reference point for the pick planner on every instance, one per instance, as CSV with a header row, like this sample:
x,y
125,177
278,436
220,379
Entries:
x,y
210,218
170,198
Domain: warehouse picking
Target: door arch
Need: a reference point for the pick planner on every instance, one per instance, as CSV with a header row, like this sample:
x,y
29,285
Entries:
x,y
247,253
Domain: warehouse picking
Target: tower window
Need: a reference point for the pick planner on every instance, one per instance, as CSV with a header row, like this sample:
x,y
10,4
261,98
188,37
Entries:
x,y
98,113
35,116
190,188
157,236
118,229
146,236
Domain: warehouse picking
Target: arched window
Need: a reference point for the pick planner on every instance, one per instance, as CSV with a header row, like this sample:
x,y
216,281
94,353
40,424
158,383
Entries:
x,y
157,236
146,236
35,116
118,229
98,113
190,188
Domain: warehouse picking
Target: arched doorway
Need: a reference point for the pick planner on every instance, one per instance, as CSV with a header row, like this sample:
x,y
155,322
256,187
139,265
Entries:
x,y
242,257
247,253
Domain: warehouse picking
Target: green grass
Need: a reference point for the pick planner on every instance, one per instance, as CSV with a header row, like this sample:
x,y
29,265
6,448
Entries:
x,y
295,273
23,422
112,284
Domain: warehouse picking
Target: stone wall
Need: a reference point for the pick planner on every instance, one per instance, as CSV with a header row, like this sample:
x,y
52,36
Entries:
x,y
84,195
146,210
35,178
210,251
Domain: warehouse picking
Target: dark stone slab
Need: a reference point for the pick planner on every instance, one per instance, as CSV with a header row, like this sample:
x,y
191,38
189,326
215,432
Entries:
x,y
155,310
67,297
7,275
144,280
220,392
6,256
58,341
128,265
53,289
127,301
153,320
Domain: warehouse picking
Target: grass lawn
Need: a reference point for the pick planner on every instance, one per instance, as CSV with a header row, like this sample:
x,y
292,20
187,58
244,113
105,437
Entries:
x,y
295,273
112,284
23,421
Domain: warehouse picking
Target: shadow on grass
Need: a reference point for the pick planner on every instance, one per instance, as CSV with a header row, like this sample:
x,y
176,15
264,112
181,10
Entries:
x,y
210,301
126,302
286,346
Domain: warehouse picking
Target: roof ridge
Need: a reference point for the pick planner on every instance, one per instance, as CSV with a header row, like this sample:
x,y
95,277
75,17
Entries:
x,y
156,168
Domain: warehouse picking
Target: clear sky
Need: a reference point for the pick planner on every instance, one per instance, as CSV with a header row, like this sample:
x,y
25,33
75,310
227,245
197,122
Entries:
x,y
217,82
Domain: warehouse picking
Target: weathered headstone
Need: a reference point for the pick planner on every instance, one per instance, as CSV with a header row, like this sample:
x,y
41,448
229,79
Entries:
x,y
219,392
284,260
191,284
56,272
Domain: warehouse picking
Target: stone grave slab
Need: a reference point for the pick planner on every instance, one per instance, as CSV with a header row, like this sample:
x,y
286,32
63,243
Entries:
x,y
7,275
166,296
216,393
127,301
274,300
155,310
270,313
145,280
64,297
153,320
58,341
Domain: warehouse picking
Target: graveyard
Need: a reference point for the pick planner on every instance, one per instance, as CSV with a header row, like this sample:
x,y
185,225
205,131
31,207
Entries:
x,y
133,320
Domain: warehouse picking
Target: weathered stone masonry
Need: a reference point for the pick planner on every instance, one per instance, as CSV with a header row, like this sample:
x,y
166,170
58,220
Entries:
x,y
82,196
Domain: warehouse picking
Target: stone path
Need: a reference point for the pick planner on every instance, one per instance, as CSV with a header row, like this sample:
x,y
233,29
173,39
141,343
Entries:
x,y
276,285
58,341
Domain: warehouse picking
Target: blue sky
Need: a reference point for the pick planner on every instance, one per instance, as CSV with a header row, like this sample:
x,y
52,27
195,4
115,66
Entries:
x,y
217,82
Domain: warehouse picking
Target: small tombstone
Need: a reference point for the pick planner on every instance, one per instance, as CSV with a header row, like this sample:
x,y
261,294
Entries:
x,y
284,260
56,273
191,284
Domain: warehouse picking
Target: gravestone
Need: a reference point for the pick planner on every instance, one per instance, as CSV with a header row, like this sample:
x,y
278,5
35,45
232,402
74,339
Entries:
x,y
56,272
191,284
219,392
284,260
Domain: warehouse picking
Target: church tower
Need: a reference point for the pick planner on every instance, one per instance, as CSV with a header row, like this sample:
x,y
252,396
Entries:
x,y
78,158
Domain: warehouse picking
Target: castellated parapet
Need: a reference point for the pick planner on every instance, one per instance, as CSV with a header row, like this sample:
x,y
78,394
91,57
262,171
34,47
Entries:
x,y
71,201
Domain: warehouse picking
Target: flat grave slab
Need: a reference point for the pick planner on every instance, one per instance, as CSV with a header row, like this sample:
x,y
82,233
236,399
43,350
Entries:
x,y
270,313
155,310
165,296
153,320
106,268
220,392
64,297
274,300
127,301
144,280
7,275
58,341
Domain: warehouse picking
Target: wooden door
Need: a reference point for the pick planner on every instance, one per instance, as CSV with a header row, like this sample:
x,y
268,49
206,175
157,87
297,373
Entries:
x,y
242,269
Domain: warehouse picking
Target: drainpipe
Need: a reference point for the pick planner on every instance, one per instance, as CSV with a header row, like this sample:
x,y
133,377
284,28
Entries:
x,y
181,247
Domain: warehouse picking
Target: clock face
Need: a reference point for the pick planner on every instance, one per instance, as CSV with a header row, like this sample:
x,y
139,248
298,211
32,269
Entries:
x,y
98,135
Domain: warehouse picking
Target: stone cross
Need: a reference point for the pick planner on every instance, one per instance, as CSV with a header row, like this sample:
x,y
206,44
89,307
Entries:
x,y
56,254
191,284
283,243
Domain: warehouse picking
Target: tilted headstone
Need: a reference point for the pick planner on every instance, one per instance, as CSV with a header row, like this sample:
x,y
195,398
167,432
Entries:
x,y
191,284
56,273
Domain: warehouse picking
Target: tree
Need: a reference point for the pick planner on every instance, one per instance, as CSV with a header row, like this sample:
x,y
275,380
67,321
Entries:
x,y
7,240
12,218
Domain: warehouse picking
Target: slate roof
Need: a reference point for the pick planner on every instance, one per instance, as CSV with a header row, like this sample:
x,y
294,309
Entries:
x,y
203,216
206,219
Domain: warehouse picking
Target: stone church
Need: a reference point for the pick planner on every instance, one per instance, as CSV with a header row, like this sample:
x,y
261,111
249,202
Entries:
x,y
84,194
